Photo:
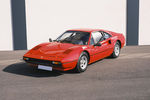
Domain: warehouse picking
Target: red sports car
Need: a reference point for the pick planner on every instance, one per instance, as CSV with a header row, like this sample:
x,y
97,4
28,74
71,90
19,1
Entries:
x,y
75,49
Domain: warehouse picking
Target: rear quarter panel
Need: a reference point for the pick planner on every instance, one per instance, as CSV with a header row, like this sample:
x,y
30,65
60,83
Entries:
x,y
118,36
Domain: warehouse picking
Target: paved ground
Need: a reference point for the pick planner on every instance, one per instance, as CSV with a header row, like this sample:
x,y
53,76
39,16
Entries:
x,y
124,78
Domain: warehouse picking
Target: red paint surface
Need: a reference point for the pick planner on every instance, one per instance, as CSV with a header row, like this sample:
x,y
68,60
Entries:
x,y
68,54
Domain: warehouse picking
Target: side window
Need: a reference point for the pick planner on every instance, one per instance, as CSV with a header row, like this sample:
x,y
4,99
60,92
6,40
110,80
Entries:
x,y
92,40
96,36
106,35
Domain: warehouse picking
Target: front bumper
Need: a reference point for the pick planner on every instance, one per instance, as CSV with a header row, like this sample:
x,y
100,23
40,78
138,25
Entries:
x,y
61,67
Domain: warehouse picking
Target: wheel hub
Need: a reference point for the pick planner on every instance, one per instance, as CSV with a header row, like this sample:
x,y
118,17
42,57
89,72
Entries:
x,y
83,62
117,50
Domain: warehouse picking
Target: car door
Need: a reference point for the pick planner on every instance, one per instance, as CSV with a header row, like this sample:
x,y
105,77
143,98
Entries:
x,y
106,40
98,52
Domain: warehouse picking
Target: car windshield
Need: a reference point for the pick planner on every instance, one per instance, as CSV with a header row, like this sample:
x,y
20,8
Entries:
x,y
74,37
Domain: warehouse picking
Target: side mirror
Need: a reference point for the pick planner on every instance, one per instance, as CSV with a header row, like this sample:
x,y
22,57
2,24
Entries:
x,y
50,40
97,44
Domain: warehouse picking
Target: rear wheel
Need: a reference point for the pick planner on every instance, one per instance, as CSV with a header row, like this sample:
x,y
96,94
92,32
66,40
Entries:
x,y
116,51
82,63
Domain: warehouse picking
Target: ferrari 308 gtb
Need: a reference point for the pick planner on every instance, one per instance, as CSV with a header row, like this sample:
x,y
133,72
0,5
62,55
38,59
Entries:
x,y
75,49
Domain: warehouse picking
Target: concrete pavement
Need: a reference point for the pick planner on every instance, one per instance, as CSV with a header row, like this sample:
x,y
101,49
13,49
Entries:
x,y
124,78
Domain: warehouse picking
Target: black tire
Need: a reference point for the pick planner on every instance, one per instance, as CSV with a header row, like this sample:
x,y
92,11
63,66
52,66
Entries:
x,y
116,51
79,68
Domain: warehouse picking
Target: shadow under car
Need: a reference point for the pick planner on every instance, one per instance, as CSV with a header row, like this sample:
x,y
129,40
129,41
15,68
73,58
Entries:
x,y
23,68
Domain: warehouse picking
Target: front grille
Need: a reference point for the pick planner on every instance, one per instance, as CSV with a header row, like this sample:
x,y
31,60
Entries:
x,y
42,62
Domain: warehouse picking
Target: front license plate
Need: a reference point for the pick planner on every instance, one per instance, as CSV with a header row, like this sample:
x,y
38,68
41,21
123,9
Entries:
x,y
49,68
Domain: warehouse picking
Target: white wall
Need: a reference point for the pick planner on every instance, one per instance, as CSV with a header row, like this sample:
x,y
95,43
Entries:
x,y
5,25
144,22
50,18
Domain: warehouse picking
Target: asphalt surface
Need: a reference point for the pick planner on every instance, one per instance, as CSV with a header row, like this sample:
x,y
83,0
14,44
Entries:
x,y
124,78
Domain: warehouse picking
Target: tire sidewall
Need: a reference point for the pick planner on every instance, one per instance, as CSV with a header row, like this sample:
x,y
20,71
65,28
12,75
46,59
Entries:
x,y
114,54
78,68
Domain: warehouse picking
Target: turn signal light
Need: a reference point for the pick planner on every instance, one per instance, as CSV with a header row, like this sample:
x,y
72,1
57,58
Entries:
x,y
25,58
56,62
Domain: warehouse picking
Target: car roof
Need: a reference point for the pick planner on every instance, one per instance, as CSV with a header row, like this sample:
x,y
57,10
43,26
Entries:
x,y
85,29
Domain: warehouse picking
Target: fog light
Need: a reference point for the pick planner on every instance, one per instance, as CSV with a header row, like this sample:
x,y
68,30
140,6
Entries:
x,y
56,62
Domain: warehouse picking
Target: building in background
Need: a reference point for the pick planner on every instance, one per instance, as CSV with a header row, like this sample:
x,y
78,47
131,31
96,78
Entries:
x,y
26,23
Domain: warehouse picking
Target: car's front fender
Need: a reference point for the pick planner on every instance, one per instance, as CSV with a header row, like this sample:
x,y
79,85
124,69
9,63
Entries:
x,y
72,54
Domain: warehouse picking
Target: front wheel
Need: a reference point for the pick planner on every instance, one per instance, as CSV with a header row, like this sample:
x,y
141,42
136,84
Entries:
x,y
116,51
82,63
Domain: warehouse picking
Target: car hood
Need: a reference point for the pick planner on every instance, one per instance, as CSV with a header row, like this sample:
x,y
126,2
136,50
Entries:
x,y
56,48
53,49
